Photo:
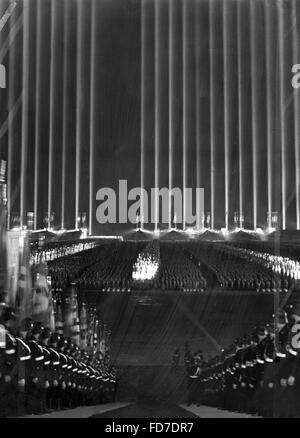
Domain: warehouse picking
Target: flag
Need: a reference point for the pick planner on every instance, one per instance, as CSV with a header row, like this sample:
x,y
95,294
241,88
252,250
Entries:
x,y
24,298
42,297
3,235
107,349
51,324
90,331
58,317
102,344
76,326
96,337
83,327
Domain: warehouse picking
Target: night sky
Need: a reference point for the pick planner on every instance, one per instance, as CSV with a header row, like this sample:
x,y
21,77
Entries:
x,y
117,96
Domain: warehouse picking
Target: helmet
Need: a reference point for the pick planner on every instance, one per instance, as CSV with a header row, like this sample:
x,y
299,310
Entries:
x,y
70,344
55,338
26,325
6,313
37,328
46,334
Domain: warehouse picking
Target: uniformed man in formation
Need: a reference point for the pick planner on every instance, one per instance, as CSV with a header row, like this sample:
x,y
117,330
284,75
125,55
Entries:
x,y
259,374
42,371
110,268
239,269
193,365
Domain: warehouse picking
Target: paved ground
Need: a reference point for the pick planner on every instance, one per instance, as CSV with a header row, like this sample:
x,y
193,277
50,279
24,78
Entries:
x,y
209,412
82,412
148,326
148,410
144,410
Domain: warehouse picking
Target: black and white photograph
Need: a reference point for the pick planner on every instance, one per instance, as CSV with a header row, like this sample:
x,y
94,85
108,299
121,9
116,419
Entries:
x,y
150,211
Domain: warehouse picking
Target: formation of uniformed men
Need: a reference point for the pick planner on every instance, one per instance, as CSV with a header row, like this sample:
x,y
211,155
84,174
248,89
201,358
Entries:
x,y
259,374
234,269
42,371
110,267
178,272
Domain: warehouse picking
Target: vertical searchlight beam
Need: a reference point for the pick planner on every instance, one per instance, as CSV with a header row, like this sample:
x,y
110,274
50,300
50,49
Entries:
x,y
51,110
197,103
268,42
92,116
254,110
143,67
212,114
184,108
25,84
282,79
79,83
171,104
157,109
296,116
240,112
65,109
37,113
226,80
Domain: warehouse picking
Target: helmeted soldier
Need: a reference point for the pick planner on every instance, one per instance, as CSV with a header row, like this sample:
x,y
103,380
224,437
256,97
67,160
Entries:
x,y
46,387
63,373
290,371
37,380
24,356
8,361
193,374
275,354
259,365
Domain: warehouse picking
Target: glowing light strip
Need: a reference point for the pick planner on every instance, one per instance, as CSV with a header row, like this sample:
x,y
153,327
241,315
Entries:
x,y
226,79
10,144
171,94
143,67
25,84
240,112
92,115
64,136
212,115
296,118
157,112
51,111
78,105
37,112
184,110
254,112
282,111
197,102
269,105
